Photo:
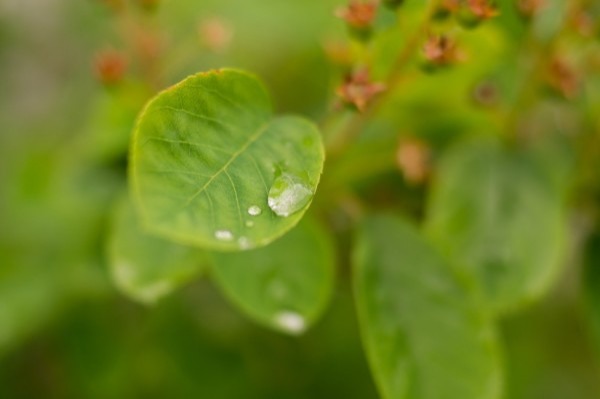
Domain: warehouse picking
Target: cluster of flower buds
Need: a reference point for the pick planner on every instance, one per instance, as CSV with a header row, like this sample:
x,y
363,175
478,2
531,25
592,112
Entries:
x,y
440,51
358,90
110,66
359,17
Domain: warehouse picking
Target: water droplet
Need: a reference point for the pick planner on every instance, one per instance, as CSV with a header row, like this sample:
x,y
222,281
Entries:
x,y
291,322
244,243
249,223
254,210
288,195
223,235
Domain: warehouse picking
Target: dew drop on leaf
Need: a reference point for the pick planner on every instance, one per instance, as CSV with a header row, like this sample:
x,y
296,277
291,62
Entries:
x,y
249,223
223,235
254,210
245,243
288,194
290,321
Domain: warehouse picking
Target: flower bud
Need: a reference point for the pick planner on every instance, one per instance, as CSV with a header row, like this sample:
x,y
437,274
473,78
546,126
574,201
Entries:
x,y
439,51
110,66
358,90
473,12
359,17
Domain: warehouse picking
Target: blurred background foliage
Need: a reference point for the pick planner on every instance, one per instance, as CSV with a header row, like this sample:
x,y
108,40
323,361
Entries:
x,y
74,75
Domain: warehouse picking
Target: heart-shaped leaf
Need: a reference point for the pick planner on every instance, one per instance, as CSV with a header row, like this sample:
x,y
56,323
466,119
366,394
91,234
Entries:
x,y
146,267
285,285
213,168
425,334
497,215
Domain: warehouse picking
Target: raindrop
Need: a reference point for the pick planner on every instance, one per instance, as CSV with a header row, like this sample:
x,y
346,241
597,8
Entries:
x,y
288,194
249,223
244,243
291,322
223,235
254,210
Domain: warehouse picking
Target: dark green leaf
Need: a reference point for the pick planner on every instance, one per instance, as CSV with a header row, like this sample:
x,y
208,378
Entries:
x,y
496,214
591,284
425,335
207,152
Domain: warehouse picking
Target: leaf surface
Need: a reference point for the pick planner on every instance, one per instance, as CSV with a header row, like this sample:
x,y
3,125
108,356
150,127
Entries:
x,y
285,285
146,267
425,334
495,214
208,150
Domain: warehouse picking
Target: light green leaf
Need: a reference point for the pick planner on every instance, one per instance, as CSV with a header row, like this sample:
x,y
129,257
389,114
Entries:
x,y
208,150
285,285
146,267
425,335
495,213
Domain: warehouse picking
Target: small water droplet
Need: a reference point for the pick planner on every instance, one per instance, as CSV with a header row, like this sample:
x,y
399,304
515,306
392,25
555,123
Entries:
x,y
291,322
254,210
249,223
223,235
244,243
288,194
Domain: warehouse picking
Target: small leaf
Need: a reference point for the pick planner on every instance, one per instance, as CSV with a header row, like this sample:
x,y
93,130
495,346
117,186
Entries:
x,y
497,215
285,285
208,149
425,335
146,267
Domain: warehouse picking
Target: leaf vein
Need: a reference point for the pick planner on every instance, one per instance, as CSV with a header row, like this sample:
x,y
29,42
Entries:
x,y
233,157
190,143
199,116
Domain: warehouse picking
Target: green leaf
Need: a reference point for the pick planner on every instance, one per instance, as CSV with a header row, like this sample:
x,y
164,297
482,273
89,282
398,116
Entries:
x,y
497,215
425,335
108,133
285,285
591,285
208,150
145,267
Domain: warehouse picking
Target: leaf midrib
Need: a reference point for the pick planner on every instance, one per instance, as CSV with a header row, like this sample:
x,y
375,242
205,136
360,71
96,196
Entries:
x,y
252,139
